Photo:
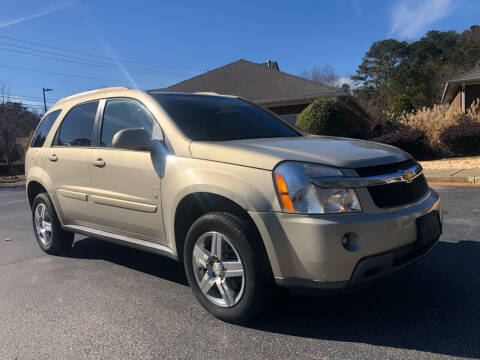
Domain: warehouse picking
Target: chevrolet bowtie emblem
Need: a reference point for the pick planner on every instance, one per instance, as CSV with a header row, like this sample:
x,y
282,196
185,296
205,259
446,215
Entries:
x,y
409,175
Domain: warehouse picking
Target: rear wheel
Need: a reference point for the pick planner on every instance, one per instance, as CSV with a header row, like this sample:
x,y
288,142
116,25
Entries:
x,y
225,270
48,230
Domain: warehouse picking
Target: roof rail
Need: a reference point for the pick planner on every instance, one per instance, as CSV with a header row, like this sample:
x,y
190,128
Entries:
x,y
214,94
91,92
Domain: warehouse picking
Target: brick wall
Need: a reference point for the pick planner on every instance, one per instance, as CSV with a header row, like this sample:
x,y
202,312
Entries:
x,y
457,101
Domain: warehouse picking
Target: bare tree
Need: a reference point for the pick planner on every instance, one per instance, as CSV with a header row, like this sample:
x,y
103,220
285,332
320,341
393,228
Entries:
x,y
325,75
4,92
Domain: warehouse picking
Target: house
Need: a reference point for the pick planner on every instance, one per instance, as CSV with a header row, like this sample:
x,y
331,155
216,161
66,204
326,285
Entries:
x,y
263,83
462,91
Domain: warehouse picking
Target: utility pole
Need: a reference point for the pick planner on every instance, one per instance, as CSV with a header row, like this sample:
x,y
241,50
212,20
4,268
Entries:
x,y
44,100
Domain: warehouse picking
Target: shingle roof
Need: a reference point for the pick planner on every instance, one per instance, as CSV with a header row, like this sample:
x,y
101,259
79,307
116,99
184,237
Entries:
x,y
454,85
256,82
471,75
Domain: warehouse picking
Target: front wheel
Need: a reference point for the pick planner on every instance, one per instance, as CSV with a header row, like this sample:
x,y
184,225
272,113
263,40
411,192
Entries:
x,y
48,230
225,268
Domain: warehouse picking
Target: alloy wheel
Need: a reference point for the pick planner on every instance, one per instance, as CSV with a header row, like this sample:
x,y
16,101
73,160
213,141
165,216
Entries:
x,y
218,269
43,224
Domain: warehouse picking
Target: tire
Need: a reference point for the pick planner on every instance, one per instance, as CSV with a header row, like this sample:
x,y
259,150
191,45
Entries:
x,y
226,294
56,241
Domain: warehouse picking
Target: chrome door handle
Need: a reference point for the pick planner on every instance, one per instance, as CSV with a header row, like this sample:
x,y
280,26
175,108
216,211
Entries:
x,y
98,163
53,157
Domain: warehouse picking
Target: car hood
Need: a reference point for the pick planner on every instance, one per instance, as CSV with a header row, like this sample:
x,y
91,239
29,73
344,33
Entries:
x,y
267,153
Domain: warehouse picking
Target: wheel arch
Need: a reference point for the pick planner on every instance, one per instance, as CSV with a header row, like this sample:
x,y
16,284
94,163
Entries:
x,y
194,205
34,187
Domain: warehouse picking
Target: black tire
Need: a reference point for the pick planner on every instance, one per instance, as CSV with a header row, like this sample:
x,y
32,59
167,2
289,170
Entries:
x,y
258,278
60,240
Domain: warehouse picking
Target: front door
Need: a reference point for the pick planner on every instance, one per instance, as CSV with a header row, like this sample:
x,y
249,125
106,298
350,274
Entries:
x,y
126,197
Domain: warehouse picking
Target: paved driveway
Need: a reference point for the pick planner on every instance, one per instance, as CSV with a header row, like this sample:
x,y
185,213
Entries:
x,y
105,301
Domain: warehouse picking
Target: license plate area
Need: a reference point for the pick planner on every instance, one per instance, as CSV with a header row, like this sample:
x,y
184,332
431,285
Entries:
x,y
429,228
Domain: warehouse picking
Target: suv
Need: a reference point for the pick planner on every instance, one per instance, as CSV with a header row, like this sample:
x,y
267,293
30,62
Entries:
x,y
245,200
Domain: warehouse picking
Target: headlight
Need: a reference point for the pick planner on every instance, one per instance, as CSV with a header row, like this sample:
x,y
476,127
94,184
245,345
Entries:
x,y
297,193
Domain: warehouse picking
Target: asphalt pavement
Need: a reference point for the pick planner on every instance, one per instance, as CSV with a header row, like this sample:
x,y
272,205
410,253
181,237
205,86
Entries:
x,y
105,301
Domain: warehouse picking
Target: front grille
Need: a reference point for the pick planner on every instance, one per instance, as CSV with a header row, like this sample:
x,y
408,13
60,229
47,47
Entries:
x,y
397,194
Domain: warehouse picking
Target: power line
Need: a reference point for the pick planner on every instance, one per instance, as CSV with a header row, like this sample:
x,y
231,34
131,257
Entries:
x,y
80,62
23,97
98,56
63,74
96,62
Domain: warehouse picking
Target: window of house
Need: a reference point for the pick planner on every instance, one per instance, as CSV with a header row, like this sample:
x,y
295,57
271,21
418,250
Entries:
x,y
77,126
44,128
122,114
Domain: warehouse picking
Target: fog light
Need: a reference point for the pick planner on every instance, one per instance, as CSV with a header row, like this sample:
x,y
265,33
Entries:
x,y
345,241
351,241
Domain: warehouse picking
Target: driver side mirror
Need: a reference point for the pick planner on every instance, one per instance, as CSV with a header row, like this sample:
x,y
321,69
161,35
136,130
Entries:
x,y
132,139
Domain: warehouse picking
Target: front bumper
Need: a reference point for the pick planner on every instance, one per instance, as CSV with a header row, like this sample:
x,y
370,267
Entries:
x,y
306,251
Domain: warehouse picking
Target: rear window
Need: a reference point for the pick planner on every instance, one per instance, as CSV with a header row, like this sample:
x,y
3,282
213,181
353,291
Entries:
x,y
217,118
44,128
77,126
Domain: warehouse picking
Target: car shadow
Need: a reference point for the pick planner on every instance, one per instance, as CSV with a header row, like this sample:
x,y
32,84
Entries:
x,y
431,306
152,264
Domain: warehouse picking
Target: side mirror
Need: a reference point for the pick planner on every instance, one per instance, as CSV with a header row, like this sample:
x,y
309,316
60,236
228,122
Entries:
x,y
132,139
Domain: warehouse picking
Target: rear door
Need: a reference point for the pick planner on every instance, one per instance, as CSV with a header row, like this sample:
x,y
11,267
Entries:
x,y
126,197
68,163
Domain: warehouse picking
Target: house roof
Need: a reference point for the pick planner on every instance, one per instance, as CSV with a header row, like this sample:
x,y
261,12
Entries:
x,y
263,83
454,85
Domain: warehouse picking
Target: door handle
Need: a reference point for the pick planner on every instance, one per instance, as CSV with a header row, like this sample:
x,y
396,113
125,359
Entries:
x,y
99,163
53,157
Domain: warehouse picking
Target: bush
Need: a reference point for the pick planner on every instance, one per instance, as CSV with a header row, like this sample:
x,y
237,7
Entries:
x,y
407,139
325,116
446,132
462,138
401,105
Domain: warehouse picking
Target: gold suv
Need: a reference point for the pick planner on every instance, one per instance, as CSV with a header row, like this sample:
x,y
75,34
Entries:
x,y
245,200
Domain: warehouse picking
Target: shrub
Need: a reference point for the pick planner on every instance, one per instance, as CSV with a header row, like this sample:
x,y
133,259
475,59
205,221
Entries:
x,y
401,105
445,132
462,138
325,116
407,139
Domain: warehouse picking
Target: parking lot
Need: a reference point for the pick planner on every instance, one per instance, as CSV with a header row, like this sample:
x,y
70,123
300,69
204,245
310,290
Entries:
x,y
107,301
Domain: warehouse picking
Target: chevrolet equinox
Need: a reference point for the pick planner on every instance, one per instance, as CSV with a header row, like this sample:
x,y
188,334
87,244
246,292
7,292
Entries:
x,y
245,200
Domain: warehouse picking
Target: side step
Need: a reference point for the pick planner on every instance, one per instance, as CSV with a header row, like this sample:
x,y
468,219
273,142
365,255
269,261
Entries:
x,y
123,240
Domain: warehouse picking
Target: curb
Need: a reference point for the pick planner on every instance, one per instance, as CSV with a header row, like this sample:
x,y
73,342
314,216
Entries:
x,y
455,179
12,183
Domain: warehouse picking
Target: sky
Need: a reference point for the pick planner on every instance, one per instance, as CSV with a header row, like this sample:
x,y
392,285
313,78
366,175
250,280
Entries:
x,y
74,45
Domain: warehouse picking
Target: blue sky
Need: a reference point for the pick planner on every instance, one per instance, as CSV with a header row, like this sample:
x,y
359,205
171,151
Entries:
x,y
149,44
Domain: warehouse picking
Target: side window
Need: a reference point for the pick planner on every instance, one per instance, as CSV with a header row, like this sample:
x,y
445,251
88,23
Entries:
x,y
77,126
122,114
44,128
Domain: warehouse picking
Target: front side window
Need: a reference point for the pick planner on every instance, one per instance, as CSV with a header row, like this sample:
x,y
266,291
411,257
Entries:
x,y
219,118
77,126
122,114
44,128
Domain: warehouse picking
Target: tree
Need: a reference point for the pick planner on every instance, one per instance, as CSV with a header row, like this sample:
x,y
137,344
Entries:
x,y
325,75
418,70
378,63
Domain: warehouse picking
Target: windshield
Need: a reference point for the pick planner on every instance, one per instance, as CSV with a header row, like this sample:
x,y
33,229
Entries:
x,y
217,118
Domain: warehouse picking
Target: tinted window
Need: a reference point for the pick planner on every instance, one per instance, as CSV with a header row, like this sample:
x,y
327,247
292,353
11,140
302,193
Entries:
x,y
77,126
122,114
44,128
216,118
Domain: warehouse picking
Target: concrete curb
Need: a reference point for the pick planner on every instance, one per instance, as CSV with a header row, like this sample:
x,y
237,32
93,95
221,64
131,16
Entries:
x,y
455,179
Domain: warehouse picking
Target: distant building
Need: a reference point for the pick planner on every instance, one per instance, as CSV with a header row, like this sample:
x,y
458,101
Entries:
x,y
462,91
263,83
